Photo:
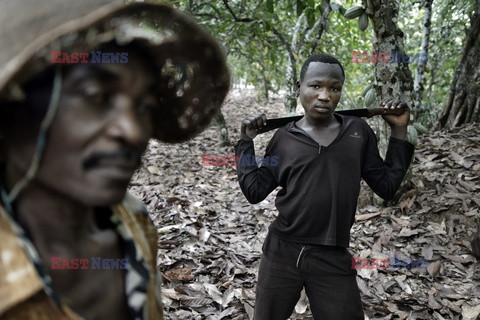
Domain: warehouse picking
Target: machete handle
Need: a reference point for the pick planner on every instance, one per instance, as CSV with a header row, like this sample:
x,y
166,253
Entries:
x,y
275,123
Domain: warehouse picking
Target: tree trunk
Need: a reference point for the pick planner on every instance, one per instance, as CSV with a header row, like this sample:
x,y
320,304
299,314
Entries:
x,y
393,80
463,101
321,25
290,97
418,84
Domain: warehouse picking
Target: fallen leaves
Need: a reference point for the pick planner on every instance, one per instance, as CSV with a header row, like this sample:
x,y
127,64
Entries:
x,y
179,274
434,268
210,237
434,220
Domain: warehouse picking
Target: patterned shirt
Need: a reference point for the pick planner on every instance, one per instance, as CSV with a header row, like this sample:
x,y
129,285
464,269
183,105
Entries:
x,y
26,290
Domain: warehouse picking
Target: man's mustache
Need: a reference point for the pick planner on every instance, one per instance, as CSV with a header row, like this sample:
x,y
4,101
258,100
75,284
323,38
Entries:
x,y
126,153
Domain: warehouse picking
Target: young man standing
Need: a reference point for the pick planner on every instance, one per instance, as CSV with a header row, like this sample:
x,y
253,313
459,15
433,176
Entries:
x,y
73,243
321,159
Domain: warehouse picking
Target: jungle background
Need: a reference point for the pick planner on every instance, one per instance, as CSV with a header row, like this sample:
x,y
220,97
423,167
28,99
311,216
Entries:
x,y
210,237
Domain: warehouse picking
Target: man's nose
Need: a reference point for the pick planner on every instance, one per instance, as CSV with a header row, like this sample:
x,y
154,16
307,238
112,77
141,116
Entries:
x,y
323,94
127,123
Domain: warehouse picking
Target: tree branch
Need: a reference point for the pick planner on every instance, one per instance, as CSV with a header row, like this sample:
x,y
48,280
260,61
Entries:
x,y
322,22
291,55
237,19
296,31
284,42
418,85
209,15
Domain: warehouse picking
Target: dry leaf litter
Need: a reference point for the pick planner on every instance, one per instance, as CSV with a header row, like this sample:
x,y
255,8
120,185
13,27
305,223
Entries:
x,y
210,237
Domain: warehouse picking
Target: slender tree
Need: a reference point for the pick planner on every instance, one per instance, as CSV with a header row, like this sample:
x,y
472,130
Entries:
x,y
392,80
418,85
463,101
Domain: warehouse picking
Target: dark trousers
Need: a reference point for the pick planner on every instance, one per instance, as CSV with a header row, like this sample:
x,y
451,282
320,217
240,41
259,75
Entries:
x,y
325,272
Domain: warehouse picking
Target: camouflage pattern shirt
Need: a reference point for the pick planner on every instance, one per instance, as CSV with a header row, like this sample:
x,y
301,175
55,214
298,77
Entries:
x,y
26,290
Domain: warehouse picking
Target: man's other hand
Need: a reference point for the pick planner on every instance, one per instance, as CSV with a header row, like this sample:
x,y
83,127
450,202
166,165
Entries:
x,y
399,123
251,125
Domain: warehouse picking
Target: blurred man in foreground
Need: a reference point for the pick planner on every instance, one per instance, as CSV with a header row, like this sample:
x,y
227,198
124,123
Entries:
x,y
84,85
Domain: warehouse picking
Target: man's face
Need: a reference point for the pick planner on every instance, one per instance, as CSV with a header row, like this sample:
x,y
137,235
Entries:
x,y
321,89
102,127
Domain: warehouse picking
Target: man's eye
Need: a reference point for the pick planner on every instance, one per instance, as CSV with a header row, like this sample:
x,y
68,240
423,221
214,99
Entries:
x,y
95,94
316,86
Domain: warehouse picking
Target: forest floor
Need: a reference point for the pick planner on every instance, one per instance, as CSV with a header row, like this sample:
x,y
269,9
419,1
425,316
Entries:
x,y
210,237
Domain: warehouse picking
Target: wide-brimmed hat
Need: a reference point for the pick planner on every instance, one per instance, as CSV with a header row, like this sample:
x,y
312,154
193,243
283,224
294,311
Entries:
x,y
192,66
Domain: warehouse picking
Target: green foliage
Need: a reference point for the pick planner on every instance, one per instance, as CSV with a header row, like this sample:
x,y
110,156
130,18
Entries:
x,y
252,32
449,24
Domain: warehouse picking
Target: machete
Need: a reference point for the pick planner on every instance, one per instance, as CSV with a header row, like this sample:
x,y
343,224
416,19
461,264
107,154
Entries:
x,y
366,112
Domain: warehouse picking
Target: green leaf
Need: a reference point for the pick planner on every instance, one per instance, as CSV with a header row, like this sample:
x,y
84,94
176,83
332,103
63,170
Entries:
x,y
241,43
270,6
320,8
300,7
218,12
310,18
267,25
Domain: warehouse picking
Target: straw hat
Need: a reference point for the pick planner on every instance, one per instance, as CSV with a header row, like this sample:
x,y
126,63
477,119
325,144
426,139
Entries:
x,y
195,77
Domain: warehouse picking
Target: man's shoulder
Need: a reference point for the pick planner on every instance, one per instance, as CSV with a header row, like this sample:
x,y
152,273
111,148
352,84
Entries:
x,y
357,124
134,205
18,280
352,120
284,131
135,224
132,212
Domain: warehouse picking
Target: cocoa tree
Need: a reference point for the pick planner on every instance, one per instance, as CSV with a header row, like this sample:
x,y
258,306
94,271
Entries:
x,y
418,85
270,38
393,80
